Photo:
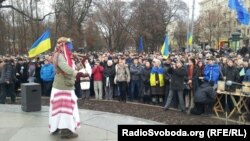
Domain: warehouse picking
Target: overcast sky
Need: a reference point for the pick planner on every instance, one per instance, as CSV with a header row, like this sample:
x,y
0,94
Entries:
x,y
197,7
190,4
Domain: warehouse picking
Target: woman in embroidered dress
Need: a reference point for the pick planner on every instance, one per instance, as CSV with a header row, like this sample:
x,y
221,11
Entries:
x,y
63,112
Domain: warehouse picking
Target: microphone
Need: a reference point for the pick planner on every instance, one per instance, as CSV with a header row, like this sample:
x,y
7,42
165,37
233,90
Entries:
x,y
230,83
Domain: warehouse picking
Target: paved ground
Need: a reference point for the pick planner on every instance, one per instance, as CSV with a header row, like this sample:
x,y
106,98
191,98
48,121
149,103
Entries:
x,y
16,125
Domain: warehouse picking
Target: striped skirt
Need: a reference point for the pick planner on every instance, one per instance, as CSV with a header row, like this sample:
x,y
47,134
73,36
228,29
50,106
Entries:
x,y
63,111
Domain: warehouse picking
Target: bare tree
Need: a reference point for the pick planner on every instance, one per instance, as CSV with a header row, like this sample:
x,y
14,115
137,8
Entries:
x,y
23,22
150,19
23,12
3,33
210,25
71,17
180,33
110,18
115,24
94,39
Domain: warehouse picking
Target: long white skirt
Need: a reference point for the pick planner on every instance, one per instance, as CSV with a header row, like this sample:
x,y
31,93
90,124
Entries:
x,y
63,111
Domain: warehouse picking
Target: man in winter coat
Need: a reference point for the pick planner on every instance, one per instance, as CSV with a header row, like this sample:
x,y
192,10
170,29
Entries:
x,y
167,77
177,72
204,99
231,73
21,73
212,71
7,81
135,72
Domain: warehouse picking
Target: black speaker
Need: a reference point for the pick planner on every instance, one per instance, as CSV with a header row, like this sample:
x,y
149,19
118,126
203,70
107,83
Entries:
x,y
31,97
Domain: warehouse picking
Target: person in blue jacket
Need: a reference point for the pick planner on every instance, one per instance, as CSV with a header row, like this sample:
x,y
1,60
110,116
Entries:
x,y
47,75
212,71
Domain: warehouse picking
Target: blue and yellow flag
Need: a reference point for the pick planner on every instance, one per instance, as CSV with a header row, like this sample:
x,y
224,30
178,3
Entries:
x,y
243,15
141,45
190,39
41,45
165,49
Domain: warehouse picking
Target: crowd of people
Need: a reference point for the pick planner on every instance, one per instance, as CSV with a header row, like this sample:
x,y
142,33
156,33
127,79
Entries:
x,y
187,81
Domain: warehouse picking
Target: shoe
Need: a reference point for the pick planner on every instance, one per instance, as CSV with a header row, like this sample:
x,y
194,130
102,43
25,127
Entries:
x,y
207,114
184,111
165,109
56,132
67,134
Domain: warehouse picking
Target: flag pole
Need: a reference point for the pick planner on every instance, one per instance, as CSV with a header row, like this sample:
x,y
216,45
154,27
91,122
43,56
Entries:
x,y
192,26
188,30
166,32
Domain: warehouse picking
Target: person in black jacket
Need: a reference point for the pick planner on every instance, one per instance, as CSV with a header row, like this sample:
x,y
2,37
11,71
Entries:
x,y
231,73
39,64
21,73
177,72
8,80
167,76
146,84
204,99
108,81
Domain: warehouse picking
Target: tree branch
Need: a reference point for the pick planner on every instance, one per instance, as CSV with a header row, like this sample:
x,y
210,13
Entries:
x,y
1,1
84,12
26,15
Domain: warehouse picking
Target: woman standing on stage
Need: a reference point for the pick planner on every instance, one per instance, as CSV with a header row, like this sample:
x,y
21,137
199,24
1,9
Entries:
x,y
63,112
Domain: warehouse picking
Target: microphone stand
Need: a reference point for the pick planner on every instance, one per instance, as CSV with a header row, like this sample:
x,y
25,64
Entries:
x,y
226,105
226,101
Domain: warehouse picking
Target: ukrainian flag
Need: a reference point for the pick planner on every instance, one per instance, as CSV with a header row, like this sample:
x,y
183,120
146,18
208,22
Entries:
x,y
41,45
165,49
141,45
190,39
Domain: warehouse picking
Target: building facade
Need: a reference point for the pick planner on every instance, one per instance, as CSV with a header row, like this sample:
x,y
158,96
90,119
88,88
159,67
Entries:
x,y
226,24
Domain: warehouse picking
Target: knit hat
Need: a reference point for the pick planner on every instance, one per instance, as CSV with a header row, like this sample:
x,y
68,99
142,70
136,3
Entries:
x,y
181,62
210,58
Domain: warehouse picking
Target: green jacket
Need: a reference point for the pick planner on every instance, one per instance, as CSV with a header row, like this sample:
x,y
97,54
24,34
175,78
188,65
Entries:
x,y
65,76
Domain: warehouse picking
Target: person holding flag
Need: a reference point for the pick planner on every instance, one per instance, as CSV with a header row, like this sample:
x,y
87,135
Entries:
x,y
63,111
177,73
157,82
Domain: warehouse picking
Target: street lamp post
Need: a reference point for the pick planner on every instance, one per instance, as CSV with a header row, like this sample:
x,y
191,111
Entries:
x,y
235,38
